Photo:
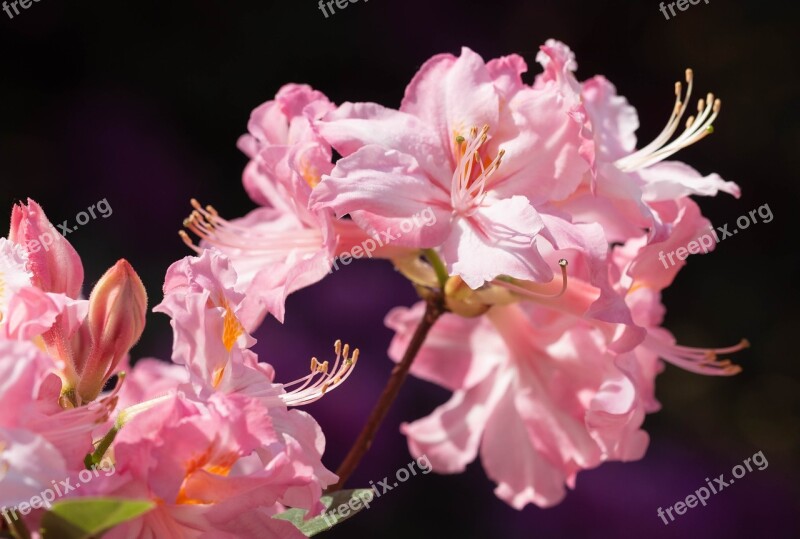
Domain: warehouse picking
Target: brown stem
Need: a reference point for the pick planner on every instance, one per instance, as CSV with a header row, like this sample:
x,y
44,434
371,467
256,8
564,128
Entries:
x,y
434,308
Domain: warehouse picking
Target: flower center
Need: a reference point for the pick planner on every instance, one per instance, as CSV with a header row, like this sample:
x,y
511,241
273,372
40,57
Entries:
x,y
470,179
231,327
221,465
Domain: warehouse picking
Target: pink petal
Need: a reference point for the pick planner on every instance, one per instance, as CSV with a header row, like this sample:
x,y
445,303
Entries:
x,y
457,354
669,180
497,240
355,125
614,121
451,434
453,94
543,161
55,264
506,73
523,475
383,190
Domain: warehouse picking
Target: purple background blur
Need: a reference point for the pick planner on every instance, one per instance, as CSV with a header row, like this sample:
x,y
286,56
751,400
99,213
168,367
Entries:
x,y
141,103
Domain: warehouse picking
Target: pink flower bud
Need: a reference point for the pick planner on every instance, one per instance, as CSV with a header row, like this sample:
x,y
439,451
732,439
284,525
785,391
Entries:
x,y
117,309
54,263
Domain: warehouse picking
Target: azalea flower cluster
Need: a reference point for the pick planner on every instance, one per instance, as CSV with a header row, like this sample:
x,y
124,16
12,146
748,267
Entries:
x,y
209,439
538,273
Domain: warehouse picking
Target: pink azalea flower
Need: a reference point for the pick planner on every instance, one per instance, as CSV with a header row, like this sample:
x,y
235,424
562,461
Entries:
x,y
213,345
216,469
211,341
540,398
39,441
542,388
282,247
442,151
643,277
627,187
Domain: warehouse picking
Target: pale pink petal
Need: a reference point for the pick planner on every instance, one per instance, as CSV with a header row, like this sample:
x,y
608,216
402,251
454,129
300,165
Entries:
x,y
458,353
451,435
29,462
522,474
355,125
383,190
31,312
614,120
499,239
657,264
672,179
543,161
453,95
506,72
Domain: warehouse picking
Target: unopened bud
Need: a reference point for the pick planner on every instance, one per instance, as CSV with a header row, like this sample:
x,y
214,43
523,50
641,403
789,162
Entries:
x,y
54,263
117,310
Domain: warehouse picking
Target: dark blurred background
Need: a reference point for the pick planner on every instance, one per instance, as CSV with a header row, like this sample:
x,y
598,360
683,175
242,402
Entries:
x,y
141,103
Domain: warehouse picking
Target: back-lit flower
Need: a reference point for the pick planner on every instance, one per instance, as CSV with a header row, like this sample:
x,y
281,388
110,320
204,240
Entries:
x,y
283,246
215,469
39,441
538,401
210,338
473,144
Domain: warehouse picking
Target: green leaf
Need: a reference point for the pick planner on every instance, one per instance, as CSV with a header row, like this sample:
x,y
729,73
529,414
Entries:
x,y
83,518
354,500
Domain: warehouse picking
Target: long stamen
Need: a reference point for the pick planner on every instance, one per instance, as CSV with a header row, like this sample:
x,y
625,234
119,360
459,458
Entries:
x,y
209,226
695,129
678,110
698,360
531,294
313,386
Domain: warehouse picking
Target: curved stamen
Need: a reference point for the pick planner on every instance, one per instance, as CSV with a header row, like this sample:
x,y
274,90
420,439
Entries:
x,y
678,109
695,129
313,386
530,294
209,226
698,360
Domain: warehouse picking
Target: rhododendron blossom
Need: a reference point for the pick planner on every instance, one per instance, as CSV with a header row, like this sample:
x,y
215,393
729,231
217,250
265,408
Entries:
x,y
39,441
285,245
471,142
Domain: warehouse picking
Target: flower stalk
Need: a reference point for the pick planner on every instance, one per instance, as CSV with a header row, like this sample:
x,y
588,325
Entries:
x,y
434,308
